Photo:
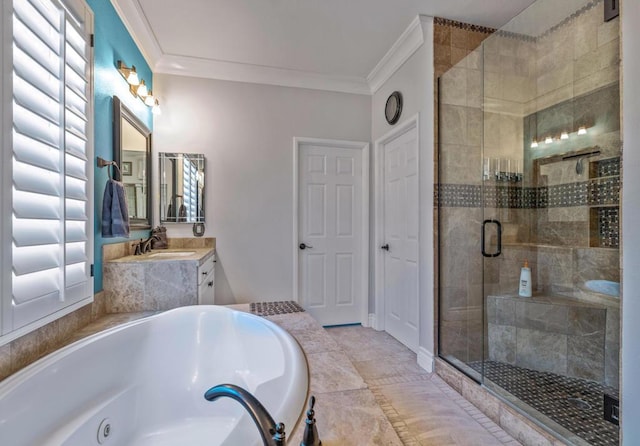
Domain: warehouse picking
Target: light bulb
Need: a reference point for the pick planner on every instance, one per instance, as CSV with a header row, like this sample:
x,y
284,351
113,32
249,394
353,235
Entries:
x,y
534,144
150,100
582,130
548,140
142,89
156,108
564,135
132,78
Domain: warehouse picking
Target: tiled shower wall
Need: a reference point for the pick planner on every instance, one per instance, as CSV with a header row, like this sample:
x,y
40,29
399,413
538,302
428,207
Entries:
x,y
489,99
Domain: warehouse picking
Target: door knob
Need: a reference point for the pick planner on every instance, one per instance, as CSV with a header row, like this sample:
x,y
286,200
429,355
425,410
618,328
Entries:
x,y
305,246
385,247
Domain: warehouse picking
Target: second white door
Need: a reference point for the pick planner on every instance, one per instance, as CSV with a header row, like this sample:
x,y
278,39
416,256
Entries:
x,y
400,237
332,231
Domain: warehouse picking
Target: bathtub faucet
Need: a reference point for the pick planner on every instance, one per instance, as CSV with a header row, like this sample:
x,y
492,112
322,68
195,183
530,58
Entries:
x,y
272,434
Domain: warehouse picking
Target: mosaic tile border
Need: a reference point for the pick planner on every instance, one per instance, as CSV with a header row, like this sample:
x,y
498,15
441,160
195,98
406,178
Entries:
x,y
275,308
595,192
573,16
513,35
609,227
462,25
549,393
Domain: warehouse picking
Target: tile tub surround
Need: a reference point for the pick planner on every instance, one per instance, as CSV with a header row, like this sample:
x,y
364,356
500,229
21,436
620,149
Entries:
x,y
23,351
147,283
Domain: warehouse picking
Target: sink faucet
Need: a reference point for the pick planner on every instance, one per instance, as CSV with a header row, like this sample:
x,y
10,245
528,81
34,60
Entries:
x,y
272,434
144,246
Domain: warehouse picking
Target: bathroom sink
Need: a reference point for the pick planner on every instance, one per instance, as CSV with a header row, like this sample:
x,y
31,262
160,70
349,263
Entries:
x,y
172,254
604,287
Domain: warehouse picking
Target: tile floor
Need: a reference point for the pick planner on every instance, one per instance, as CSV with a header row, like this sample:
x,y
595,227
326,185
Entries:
x,y
421,407
370,391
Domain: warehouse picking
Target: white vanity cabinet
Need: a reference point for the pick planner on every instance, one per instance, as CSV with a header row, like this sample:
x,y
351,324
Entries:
x,y
206,285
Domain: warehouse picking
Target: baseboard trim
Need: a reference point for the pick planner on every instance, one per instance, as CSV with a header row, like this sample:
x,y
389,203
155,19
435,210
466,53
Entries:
x,y
425,359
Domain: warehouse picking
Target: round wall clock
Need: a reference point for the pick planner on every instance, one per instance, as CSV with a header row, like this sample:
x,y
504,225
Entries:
x,y
393,107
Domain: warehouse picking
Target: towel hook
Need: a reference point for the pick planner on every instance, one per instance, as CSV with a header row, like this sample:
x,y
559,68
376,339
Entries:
x,y
104,163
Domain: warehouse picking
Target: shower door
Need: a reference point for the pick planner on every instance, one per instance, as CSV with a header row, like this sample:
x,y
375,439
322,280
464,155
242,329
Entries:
x,y
529,170
461,215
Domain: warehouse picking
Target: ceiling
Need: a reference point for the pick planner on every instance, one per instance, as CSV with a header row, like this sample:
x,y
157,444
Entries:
x,y
288,42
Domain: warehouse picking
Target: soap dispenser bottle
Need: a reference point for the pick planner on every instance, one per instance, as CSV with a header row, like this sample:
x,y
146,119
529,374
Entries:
x,y
525,280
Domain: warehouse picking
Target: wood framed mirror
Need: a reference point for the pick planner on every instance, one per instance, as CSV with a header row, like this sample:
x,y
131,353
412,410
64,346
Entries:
x,y
132,153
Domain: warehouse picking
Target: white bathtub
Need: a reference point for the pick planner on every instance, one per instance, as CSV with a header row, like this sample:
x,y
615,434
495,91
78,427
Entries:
x,y
148,378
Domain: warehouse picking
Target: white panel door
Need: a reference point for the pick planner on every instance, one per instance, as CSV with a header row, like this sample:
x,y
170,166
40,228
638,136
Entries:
x,y
330,242
401,238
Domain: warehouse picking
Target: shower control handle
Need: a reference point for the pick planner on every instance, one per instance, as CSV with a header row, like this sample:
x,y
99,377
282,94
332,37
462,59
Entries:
x,y
385,247
482,242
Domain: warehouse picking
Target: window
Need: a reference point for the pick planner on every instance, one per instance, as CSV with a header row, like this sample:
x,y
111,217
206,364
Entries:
x,y
46,148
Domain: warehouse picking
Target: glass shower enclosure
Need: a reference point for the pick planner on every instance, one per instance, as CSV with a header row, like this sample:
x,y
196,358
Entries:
x,y
529,170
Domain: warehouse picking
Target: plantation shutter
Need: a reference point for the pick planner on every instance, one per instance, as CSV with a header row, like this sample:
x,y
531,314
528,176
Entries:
x,y
50,138
190,188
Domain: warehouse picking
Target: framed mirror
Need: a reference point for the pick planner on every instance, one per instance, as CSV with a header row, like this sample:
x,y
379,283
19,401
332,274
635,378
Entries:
x,y
182,183
132,153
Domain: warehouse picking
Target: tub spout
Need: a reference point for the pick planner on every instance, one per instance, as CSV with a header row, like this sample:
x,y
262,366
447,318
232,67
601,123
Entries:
x,y
272,434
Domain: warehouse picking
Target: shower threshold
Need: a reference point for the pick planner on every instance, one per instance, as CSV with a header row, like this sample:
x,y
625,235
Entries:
x,y
574,404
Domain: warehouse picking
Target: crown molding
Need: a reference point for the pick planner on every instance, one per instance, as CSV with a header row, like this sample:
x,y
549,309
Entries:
x,y
239,72
408,43
136,23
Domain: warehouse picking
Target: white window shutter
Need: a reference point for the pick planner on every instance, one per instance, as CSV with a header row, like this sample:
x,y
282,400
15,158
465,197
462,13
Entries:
x,y
51,132
190,187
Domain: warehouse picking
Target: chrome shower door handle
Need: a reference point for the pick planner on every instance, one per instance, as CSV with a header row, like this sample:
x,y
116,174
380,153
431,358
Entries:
x,y
482,236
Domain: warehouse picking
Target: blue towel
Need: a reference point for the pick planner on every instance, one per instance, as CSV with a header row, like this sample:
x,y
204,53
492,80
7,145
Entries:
x,y
115,214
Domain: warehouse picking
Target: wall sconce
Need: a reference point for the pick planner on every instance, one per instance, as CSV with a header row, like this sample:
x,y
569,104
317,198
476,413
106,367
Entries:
x,y
564,136
138,87
129,74
141,90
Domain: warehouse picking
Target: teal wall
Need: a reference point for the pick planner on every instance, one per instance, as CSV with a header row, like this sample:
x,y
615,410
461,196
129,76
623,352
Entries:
x,y
112,43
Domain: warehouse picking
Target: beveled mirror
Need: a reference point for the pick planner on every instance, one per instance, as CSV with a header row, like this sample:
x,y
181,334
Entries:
x,y
132,153
182,188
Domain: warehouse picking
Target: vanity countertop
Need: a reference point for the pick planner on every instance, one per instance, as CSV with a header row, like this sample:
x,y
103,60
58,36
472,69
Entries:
x,y
199,255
